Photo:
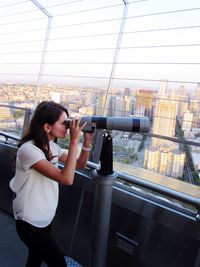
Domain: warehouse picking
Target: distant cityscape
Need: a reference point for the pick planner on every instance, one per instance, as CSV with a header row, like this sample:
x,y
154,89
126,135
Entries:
x,y
172,113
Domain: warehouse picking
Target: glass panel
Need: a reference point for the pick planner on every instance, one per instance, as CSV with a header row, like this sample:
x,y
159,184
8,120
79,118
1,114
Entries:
x,y
105,57
11,120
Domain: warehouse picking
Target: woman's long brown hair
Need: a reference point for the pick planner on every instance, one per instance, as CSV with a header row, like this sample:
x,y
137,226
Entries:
x,y
46,112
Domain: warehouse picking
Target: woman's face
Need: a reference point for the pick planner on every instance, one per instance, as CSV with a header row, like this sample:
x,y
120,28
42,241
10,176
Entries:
x,y
58,129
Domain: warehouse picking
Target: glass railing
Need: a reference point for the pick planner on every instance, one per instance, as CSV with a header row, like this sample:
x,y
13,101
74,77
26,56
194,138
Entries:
x,y
13,119
110,58
176,191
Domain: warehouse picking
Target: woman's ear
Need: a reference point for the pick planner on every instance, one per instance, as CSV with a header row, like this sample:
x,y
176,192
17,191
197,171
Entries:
x,y
47,128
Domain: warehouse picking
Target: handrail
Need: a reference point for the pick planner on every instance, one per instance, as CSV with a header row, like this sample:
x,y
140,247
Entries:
x,y
186,198
8,135
12,106
161,189
173,139
192,199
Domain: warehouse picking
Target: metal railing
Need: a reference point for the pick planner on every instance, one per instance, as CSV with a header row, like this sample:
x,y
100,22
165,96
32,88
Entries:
x,y
177,190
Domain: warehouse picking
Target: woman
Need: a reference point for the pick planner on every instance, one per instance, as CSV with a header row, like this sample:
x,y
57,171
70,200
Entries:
x,y
37,177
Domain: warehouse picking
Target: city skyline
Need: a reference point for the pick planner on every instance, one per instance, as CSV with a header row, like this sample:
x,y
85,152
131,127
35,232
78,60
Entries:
x,y
164,110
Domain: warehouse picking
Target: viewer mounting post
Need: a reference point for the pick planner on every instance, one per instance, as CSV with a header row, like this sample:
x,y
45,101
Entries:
x,y
104,179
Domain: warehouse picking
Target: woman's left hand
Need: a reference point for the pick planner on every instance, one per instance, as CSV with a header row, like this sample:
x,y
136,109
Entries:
x,y
88,136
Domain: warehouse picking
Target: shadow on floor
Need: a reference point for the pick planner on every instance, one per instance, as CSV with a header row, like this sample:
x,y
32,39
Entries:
x,y
13,252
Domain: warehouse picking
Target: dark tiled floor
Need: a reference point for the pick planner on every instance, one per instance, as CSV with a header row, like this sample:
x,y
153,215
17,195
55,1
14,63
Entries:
x,y
13,252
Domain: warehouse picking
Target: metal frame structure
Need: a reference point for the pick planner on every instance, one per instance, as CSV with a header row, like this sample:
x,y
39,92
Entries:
x,y
44,51
112,74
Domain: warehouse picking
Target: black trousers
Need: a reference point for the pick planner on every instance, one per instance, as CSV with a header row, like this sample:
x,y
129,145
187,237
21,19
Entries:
x,y
42,247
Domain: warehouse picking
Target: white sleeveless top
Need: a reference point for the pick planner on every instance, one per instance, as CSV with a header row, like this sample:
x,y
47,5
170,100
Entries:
x,y
36,195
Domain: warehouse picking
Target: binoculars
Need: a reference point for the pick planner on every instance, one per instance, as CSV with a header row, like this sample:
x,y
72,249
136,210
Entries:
x,y
126,124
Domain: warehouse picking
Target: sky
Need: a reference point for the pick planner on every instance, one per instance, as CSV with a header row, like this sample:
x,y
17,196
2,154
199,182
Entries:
x,y
160,41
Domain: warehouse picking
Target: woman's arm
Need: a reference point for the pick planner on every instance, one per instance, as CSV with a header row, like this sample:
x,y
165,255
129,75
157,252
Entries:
x,y
85,151
84,154
66,175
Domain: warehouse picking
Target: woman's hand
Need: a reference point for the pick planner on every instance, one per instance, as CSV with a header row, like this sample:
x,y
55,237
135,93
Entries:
x,y
88,136
75,130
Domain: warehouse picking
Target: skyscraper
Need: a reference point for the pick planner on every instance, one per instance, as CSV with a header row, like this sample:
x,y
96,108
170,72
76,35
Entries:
x,y
197,92
164,120
187,120
100,103
178,164
144,102
127,102
195,109
163,88
182,101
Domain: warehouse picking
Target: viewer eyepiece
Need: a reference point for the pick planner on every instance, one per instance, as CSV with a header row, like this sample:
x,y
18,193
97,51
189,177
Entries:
x,y
67,123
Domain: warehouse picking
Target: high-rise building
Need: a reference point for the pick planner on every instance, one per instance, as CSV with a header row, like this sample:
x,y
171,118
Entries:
x,y
163,88
5,113
164,161
178,164
144,102
115,107
160,157
182,101
127,103
195,109
164,120
88,98
100,103
197,92
151,159
187,120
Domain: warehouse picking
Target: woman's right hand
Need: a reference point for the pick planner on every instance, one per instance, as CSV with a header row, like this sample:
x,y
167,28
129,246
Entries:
x,y
75,130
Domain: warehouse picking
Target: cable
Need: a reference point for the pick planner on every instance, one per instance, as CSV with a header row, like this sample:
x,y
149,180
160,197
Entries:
x,y
67,25
111,6
88,10
101,63
64,14
101,48
13,4
164,13
101,35
19,13
164,29
33,10
64,4
22,21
